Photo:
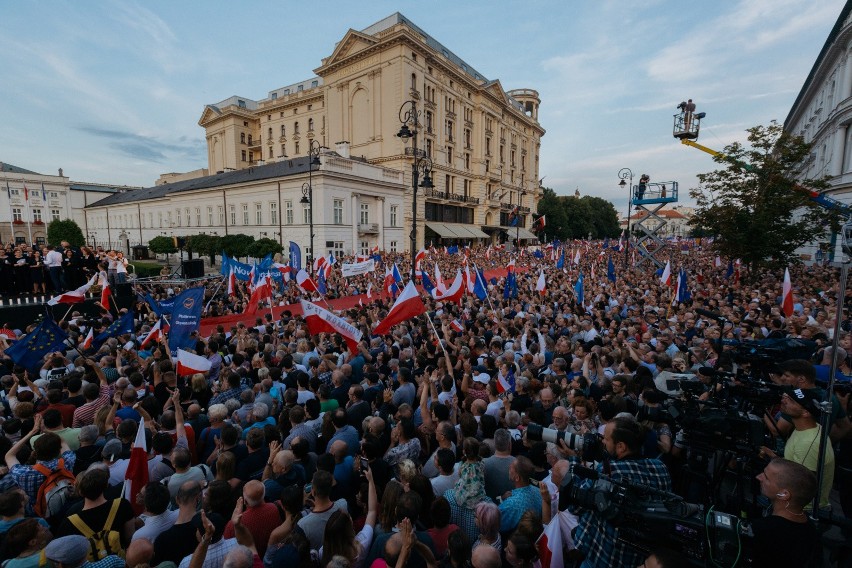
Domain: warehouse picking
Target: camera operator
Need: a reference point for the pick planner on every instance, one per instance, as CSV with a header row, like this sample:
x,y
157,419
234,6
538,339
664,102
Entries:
x,y
785,538
595,537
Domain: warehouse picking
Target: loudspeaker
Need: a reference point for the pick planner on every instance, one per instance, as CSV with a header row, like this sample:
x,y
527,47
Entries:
x,y
124,296
193,268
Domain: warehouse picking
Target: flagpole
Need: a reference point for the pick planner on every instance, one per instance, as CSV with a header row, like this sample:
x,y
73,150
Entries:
x,y
214,293
484,286
11,216
68,312
29,223
444,349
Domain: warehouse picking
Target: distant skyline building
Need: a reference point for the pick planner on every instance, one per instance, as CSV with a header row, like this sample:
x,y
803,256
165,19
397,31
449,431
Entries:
x,y
822,114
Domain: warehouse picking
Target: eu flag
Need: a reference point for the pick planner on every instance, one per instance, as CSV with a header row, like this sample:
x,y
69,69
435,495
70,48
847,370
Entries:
x,y
321,286
29,351
479,287
427,284
610,271
121,326
560,264
578,290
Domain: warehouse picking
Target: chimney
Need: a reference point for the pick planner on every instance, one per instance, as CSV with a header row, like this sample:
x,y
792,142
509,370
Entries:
x,y
343,149
60,172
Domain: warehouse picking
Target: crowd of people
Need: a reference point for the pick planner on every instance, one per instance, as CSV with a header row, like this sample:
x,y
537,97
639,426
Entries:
x,y
420,447
43,269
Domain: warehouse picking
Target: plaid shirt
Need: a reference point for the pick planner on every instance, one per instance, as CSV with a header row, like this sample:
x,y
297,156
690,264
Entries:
x,y
30,480
85,415
598,539
325,378
226,395
461,516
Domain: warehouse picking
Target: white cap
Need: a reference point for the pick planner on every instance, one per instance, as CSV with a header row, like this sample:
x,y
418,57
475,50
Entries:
x,y
484,378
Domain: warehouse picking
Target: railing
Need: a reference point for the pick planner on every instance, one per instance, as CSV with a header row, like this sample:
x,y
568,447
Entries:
x,y
368,227
434,193
254,143
510,207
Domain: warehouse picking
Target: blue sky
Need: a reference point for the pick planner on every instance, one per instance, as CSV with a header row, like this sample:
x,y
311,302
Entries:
x,y
112,91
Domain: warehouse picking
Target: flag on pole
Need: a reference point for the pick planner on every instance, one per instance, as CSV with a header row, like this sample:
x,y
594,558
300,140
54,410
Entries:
x,y
457,325
262,291
666,277
577,256
304,281
578,290
421,254
136,476
155,334
560,264
539,224
284,269
106,291
320,320
454,293
506,384
610,271
29,350
369,290
74,296
43,193
407,305
232,282
427,284
190,363
787,295
541,284
87,343
549,545
479,287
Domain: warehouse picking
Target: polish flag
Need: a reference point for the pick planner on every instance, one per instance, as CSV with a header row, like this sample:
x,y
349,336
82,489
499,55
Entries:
x,y
369,290
417,260
154,335
549,545
251,278
263,291
577,256
407,305
471,279
284,269
320,320
106,291
541,285
510,268
190,363
389,282
593,272
787,295
136,476
503,384
455,291
375,249
304,281
232,283
457,325
439,281
87,343
488,253
74,296
666,278
319,263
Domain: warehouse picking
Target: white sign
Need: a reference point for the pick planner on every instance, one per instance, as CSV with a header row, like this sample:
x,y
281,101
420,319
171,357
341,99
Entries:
x,y
358,268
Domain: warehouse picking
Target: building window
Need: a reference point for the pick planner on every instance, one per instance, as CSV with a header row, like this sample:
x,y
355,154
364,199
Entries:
x,y
37,216
151,220
188,219
258,214
393,246
245,214
242,137
232,209
269,131
429,148
221,209
449,155
273,212
467,160
365,214
394,210
365,248
283,150
310,125
16,214
295,128
160,218
178,218
297,149
306,216
338,211
251,157
243,153
270,152
467,187
283,130
335,247
209,216
249,140
288,212
54,194
198,216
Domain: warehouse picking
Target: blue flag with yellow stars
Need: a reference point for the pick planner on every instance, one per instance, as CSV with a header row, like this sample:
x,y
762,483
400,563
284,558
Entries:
x,y
29,351
121,326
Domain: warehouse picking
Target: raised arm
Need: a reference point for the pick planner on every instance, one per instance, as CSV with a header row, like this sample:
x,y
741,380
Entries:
x,y
12,455
180,428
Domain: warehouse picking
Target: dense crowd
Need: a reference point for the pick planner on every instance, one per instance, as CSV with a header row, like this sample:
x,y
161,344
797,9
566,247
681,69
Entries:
x,y
416,448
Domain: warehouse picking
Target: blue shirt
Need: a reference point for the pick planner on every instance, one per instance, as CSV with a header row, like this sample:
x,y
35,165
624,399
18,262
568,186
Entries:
x,y
349,435
521,500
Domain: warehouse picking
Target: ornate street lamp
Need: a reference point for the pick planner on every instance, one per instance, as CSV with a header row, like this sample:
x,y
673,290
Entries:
x,y
421,166
314,149
625,173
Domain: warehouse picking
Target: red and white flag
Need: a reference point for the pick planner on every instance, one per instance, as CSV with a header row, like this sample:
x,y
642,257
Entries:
x,y
409,304
90,337
666,278
388,283
457,325
136,476
541,284
106,291
284,269
74,296
550,545
787,295
454,293
369,290
262,291
511,266
577,256
232,282
471,280
154,335
439,280
417,260
304,281
320,320
190,363
488,253
319,263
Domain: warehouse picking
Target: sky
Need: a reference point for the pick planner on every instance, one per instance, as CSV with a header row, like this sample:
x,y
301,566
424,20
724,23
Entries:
x,y
112,91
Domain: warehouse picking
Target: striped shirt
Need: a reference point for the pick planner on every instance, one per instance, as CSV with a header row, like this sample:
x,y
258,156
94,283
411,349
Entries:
x,y
85,415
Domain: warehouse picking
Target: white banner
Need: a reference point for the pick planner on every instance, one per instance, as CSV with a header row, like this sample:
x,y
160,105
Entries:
x,y
358,268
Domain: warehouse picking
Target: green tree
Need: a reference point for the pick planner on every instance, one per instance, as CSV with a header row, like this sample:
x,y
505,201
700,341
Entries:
x,y
236,245
557,219
571,217
162,245
262,247
204,244
603,217
754,205
65,230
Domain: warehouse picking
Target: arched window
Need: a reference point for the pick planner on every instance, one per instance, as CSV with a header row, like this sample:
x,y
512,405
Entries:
x,y
310,125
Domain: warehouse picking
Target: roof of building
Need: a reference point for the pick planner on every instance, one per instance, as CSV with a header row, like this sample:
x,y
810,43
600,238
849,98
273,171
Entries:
x,y
835,31
104,188
9,168
255,173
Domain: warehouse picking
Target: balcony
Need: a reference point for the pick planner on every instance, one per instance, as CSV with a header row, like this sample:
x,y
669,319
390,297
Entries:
x,y
368,228
510,207
435,194
254,143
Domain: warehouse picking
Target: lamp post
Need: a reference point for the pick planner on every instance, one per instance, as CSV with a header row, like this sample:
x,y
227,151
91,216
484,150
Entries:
x,y
625,173
409,117
518,220
314,149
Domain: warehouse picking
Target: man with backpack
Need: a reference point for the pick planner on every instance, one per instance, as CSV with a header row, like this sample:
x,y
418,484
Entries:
x,y
49,482
108,524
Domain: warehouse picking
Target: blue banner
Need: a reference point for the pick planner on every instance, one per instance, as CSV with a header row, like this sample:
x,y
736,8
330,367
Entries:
x,y
186,318
152,303
121,326
166,306
295,257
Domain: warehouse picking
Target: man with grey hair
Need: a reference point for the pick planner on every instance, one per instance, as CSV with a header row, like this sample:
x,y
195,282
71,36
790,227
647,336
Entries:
x,y
239,557
497,480
261,418
241,415
88,452
445,435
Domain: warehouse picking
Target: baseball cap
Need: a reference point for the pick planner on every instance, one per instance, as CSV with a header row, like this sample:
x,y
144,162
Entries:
x,y
484,378
806,398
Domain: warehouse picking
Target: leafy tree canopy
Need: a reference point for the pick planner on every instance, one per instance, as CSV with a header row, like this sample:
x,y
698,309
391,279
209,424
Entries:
x,y
570,217
65,230
204,244
262,247
755,206
162,245
236,245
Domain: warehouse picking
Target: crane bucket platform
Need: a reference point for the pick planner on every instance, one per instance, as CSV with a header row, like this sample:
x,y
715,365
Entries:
x,y
687,125
654,193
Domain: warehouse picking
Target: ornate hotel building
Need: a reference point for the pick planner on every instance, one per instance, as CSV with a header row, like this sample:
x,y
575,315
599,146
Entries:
x,y
483,143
